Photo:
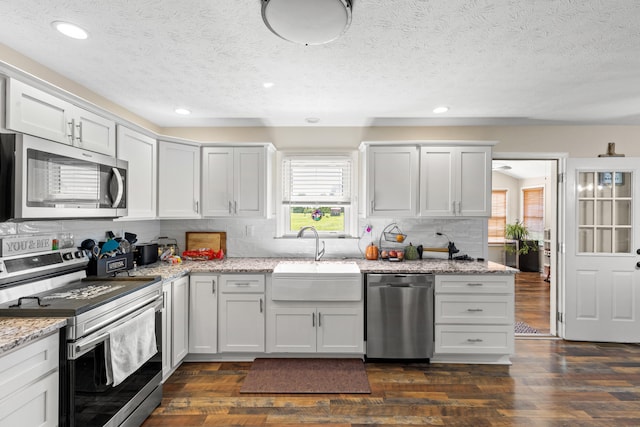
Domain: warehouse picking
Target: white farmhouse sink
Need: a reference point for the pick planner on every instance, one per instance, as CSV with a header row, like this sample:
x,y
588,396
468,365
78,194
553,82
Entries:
x,y
316,281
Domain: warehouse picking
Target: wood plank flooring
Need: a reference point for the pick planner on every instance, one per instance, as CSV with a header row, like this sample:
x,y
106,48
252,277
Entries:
x,y
551,383
532,301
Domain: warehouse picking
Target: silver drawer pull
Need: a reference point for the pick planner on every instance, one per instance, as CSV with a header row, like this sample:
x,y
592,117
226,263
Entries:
x,y
474,340
242,284
474,310
474,284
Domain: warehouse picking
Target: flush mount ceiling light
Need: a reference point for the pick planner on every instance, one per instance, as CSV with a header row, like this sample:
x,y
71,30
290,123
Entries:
x,y
308,22
441,109
182,111
70,30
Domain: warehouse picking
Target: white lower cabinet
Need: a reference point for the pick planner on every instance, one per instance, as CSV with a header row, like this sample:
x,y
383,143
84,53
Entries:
x,y
242,313
29,381
175,324
474,318
203,313
315,327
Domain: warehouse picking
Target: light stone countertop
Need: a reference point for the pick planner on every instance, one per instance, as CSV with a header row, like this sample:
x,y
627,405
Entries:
x,y
266,265
16,331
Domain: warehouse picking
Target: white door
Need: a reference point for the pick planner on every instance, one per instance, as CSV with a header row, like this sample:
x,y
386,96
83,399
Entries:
x,y
602,283
217,181
249,179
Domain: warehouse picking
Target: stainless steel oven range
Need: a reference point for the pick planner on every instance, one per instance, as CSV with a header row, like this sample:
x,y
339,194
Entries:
x,y
54,284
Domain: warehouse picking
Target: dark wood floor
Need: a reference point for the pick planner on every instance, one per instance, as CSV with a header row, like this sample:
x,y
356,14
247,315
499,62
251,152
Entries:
x,y
532,301
551,383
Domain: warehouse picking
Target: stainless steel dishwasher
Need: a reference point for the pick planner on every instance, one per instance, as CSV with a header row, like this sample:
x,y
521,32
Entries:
x,y
399,316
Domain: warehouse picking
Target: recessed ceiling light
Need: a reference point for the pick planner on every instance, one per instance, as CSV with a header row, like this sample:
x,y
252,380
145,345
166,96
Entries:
x,y
268,85
70,30
312,120
440,110
182,111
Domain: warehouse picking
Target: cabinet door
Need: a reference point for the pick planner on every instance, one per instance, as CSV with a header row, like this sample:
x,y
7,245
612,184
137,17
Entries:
x,y
93,132
180,320
141,153
34,405
179,180
340,330
38,113
217,181
474,181
167,314
203,314
242,322
437,183
249,182
392,181
292,330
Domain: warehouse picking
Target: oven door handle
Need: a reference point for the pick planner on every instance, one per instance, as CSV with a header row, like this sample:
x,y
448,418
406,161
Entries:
x,y
81,347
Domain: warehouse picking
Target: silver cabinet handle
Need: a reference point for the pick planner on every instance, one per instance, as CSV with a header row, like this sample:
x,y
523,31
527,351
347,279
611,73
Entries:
x,y
313,320
474,340
260,305
72,130
230,211
79,137
164,299
197,203
474,284
319,319
235,207
453,205
459,207
213,287
475,310
372,206
242,284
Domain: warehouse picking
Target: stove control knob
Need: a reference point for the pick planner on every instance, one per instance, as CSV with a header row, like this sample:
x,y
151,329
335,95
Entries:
x,y
67,256
78,254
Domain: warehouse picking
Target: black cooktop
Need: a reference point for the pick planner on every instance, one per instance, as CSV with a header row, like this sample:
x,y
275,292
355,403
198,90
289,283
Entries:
x,y
76,297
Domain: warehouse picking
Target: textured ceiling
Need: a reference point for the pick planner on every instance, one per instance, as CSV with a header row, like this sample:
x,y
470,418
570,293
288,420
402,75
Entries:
x,y
491,61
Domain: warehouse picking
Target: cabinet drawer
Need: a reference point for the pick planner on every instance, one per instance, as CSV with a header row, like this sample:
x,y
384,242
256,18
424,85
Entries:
x,y
483,309
472,339
28,363
477,284
242,283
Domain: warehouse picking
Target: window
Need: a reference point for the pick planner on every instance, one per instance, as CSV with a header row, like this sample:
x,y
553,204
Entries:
x,y
317,191
498,220
533,211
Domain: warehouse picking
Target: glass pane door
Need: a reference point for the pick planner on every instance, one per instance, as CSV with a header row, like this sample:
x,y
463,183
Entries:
x,y
604,212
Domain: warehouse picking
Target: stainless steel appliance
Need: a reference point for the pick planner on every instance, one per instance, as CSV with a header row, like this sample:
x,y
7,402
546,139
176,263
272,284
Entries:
x,y
399,316
54,284
146,253
44,179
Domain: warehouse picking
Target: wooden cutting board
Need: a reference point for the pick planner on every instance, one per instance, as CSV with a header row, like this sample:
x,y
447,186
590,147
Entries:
x,y
215,240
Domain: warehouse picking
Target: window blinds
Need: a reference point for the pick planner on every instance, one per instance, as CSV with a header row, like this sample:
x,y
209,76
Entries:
x,y
318,180
498,220
533,206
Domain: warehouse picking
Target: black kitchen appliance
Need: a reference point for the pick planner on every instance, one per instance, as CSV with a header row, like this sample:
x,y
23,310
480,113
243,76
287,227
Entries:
x,y
146,253
53,283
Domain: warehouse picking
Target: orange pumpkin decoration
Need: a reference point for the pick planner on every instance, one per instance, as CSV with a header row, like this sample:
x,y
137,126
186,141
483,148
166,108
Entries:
x,y
372,252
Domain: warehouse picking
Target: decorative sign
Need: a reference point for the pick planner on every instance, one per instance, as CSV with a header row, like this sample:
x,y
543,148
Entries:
x,y
608,178
18,245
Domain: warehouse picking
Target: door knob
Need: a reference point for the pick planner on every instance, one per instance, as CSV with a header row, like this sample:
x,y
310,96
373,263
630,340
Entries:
x,y
638,251
638,264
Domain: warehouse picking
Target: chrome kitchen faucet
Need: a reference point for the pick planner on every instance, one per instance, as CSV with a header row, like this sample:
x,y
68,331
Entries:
x,y
318,253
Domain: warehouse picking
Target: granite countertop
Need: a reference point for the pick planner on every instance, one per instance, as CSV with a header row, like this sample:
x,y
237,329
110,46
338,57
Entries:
x,y
16,331
266,265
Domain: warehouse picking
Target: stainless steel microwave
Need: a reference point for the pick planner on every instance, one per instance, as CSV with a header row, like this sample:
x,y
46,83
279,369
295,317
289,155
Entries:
x,y
41,179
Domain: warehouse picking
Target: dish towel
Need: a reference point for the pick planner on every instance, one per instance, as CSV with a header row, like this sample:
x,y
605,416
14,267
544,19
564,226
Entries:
x,y
129,346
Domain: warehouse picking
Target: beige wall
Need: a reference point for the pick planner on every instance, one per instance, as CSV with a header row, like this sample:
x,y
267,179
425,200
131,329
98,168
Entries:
x,y
577,141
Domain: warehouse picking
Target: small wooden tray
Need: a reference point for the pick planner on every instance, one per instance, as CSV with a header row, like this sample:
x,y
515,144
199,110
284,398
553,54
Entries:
x,y
215,240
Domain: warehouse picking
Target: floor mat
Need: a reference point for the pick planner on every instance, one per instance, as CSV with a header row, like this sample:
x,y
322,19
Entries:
x,y
523,328
306,376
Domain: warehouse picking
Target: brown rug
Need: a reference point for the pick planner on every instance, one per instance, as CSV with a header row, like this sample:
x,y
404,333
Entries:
x,y
306,376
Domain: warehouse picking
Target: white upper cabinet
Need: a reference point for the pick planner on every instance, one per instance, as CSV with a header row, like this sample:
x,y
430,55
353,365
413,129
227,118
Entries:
x,y
178,180
141,152
236,181
41,114
455,181
392,181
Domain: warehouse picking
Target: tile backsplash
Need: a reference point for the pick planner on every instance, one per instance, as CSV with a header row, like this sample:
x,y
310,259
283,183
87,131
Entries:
x,y
257,237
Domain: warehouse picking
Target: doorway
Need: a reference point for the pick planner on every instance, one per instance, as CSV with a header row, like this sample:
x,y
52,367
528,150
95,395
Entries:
x,y
525,191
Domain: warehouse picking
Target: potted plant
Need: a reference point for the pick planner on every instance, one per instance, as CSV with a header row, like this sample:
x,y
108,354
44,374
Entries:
x,y
527,261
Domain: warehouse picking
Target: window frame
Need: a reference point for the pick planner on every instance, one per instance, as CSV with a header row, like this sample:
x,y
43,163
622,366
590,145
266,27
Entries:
x,y
350,208
506,214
